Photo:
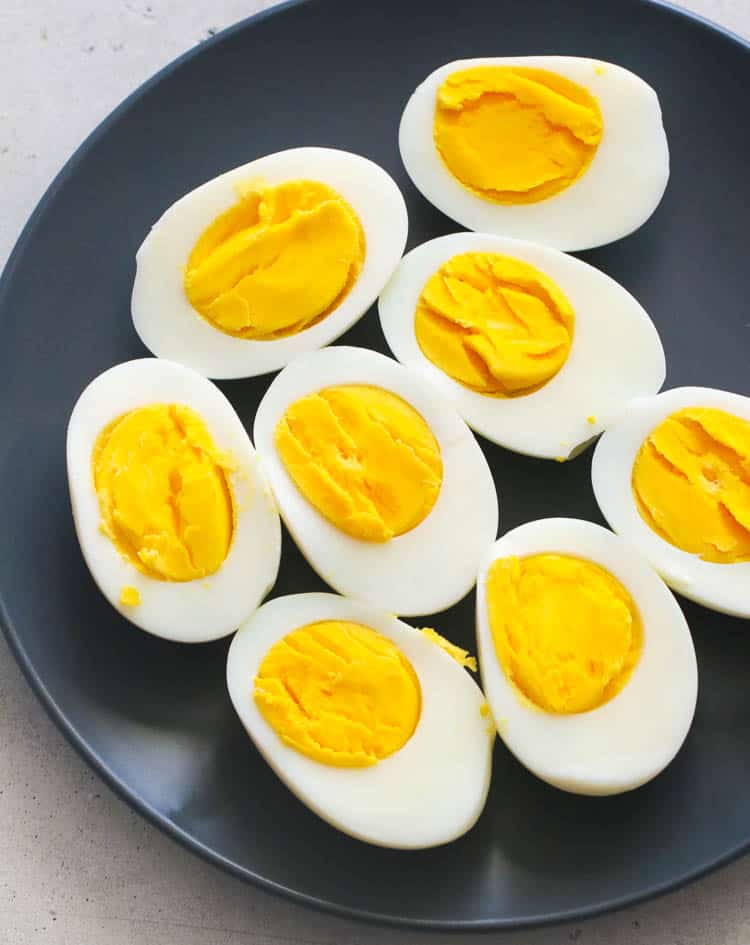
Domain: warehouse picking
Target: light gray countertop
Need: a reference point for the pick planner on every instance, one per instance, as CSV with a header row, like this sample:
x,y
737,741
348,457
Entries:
x,y
77,866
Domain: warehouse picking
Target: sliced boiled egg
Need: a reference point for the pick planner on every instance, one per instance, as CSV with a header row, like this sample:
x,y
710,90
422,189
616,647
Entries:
x,y
378,730
560,150
271,259
174,516
587,661
673,478
382,485
536,350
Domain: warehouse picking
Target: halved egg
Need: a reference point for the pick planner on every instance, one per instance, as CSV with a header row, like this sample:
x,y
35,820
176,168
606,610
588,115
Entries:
x,y
560,150
174,516
672,477
271,259
536,350
587,661
378,730
382,485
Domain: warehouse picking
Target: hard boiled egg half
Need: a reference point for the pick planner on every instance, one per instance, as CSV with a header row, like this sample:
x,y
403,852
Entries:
x,y
173,513
268,260
560,150
673,478
587,661
370,723
536,350
382,485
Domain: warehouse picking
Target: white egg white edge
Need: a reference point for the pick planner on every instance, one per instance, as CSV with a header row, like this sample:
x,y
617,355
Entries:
x,y
629,740
171,328
616,353
430,567
721,587
428,793
618,193
189,611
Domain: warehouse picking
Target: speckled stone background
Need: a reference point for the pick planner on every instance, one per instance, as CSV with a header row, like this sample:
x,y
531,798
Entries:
x,y
77,867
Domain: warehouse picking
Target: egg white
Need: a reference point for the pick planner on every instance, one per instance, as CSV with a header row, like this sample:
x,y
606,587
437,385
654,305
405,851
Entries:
x,y
616,353
630,739
722,587
171,328
185,611
620,190
426,569
429,792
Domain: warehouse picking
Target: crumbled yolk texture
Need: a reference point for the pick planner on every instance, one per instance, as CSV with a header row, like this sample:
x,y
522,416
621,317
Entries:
x,y
458,653
566,632
129,596
340,693
514,135
277,262
494,324
691,481
163,493
363,457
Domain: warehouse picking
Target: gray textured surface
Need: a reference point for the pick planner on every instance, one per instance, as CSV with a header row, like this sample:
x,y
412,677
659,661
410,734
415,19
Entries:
x,y
77,867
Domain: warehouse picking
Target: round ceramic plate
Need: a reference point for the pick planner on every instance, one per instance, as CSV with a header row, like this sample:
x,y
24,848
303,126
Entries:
x,y
153,718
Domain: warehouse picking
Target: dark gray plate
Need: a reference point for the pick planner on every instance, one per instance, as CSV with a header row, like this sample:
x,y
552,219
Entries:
x,y
153,718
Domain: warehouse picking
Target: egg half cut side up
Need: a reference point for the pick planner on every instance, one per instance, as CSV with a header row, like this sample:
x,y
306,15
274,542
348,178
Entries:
x,y
536,350
366,720
587,661
173,513
672,477
268,260
381,484
560,150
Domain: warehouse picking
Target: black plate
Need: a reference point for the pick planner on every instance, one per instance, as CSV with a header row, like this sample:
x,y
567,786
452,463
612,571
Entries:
x,y
153,718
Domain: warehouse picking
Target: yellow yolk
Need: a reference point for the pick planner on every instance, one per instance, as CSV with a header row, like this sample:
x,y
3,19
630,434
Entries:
x,y
494,324
515,135
340,693
163,493
566,632
485,713
129,596
276,262
459,654
691,481
363,457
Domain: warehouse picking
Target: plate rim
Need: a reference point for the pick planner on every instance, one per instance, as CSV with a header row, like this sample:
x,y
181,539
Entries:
x,y
97,763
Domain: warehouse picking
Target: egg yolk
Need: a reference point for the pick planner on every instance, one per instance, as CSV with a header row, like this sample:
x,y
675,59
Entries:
x,y
129,596
494,324
163,493
363,457
277,262
691,482
456,652
339,693
514,135
566,632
